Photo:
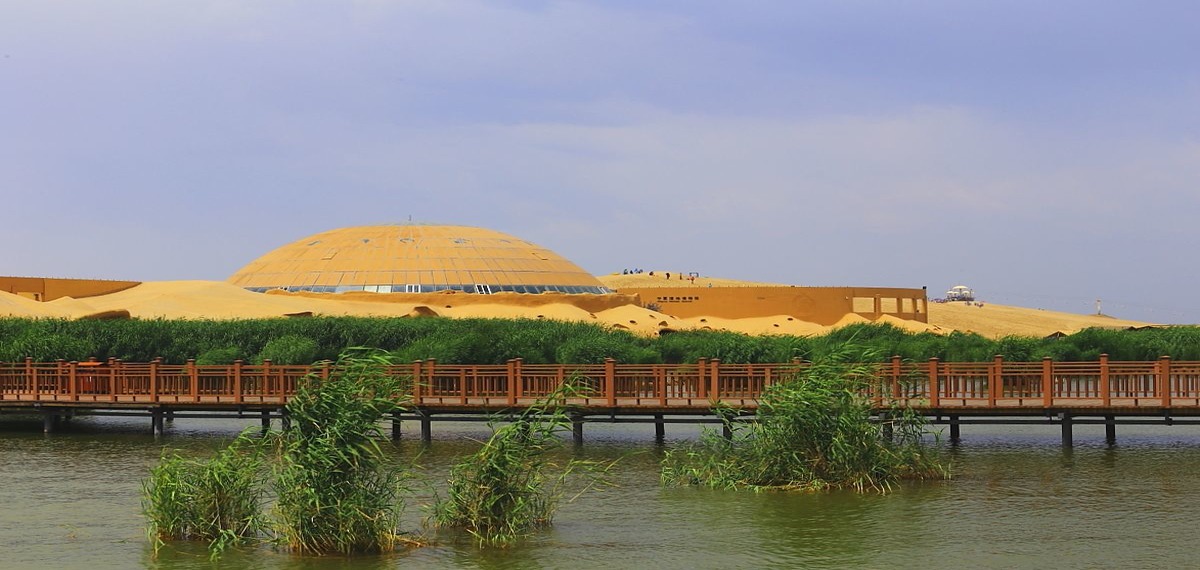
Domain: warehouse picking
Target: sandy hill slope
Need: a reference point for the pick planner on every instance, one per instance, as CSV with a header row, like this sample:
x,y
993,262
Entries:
x,y
220,300
17,306
1000,320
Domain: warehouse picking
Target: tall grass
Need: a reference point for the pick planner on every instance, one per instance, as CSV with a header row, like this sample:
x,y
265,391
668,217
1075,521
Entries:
x,y
813,432
337,493
218,500
512,485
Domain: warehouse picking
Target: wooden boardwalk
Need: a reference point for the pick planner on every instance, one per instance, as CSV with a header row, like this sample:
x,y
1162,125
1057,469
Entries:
x,y
999,391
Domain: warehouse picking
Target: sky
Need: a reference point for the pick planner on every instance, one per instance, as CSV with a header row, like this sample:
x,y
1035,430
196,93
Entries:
x,y
1046,154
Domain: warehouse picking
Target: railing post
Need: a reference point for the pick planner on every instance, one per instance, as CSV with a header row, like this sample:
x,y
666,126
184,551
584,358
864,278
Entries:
x,y
416,382
519,376
511,381
1047,382
935,391
462,384
1164,380
1105,387
430,373
995,379
237,380
895,378
72,378
660,384
194,379
610,382
702,379
714,380
114,368
154,379
266,378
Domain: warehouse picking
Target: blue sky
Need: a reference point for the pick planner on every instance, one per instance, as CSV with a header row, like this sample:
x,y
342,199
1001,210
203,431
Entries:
x,y
1045,153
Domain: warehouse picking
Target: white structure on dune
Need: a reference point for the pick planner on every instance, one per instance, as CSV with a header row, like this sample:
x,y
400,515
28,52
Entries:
x,y
960,293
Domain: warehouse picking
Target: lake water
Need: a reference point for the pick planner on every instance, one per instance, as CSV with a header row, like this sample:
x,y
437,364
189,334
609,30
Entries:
x,y
71,500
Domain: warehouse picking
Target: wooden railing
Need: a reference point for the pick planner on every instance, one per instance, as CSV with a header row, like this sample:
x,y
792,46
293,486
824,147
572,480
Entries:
x,y
932,385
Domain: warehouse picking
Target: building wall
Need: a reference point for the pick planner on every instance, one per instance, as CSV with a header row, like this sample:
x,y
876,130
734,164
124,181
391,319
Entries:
x,y
822,305
49,289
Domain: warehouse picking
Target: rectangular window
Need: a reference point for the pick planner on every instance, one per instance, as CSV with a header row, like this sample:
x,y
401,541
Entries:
x,y
864,305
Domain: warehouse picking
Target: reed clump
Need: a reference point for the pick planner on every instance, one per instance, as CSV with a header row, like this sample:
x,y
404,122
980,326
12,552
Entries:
x,y
813,432
337,493
513,484
218,500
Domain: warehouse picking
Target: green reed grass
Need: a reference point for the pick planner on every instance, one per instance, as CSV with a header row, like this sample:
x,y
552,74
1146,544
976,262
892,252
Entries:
x,y
218,500
337,493
812,432
513,484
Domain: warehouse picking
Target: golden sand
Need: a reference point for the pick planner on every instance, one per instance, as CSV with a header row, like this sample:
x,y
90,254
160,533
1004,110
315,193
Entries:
x,y
220,300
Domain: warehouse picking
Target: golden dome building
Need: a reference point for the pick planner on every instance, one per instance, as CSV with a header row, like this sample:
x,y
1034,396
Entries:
x,y
414,258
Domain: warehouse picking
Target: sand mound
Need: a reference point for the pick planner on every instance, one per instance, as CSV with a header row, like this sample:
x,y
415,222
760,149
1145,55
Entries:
x,y
638,319
995,321
907,325
849,319
17,306
422,311
219,300
195,300
554,311
774,325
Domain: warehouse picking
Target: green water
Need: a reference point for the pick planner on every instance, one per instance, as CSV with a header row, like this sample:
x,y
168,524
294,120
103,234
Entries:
x,y
71,500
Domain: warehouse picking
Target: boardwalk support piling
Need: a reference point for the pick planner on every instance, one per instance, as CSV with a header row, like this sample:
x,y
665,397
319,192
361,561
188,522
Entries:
x,y
577,429
157,417
266,420
285,420
886,422
1110,430
396,426
955,430
169,415
426,427
726,425
1067,428
660,431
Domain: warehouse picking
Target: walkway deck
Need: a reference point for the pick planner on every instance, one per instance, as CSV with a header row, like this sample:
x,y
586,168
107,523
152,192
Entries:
x,y
1160,391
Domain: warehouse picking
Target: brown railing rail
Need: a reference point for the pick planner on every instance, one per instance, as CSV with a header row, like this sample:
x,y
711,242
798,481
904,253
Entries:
x,y
932,385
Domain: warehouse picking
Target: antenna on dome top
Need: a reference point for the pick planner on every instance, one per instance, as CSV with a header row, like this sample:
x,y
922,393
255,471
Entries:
x,y
410,218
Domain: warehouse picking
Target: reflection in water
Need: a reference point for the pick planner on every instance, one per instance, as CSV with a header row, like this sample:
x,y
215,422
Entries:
x,y
1019,501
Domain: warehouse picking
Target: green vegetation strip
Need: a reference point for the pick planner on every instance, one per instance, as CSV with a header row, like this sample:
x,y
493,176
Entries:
x,y
494,341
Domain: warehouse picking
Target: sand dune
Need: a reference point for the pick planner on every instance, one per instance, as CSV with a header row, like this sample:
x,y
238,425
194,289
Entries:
x,y
995,321
220,300
17,306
